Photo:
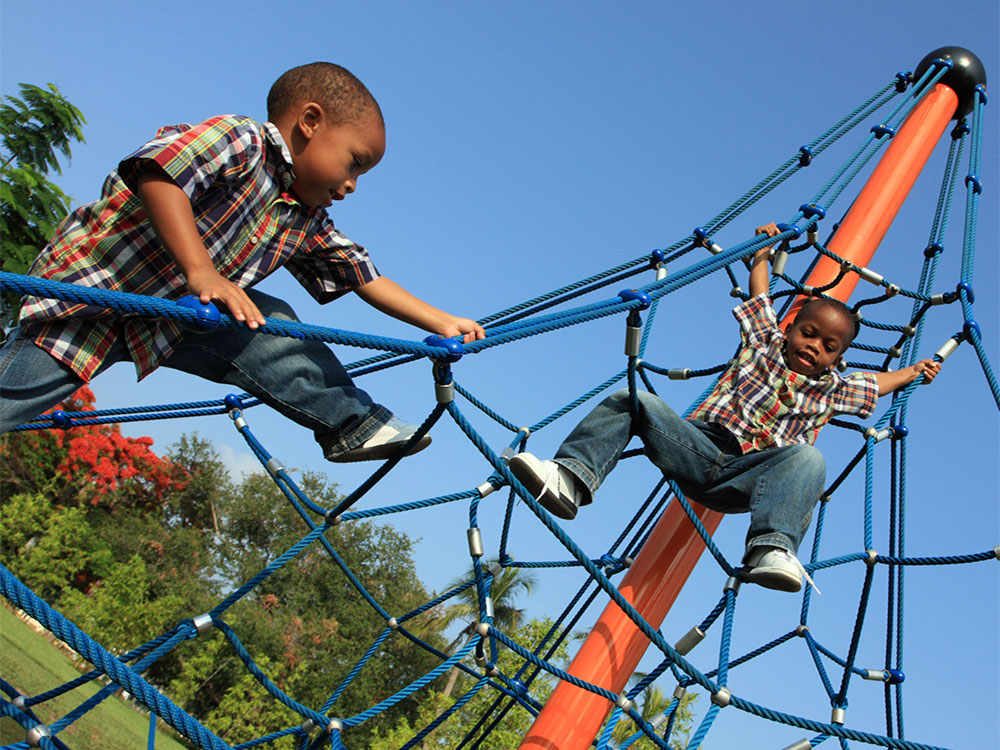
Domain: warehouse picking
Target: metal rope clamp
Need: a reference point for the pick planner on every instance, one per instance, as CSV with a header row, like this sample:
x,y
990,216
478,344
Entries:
x,y
633,328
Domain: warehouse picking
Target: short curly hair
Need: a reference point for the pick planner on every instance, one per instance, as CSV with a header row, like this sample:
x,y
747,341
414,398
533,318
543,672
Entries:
x,y
343,97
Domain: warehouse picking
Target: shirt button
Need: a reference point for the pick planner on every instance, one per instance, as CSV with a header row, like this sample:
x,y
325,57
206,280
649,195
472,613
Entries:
x,y
254,240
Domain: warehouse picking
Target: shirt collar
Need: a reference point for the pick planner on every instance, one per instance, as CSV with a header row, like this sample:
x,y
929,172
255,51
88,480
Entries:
x,y
273,137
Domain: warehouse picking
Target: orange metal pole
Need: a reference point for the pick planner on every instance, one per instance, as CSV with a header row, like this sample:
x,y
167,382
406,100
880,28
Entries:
x,y
572,717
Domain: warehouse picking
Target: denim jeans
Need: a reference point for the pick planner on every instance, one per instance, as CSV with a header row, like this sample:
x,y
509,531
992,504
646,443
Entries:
x,y
301,379
778,487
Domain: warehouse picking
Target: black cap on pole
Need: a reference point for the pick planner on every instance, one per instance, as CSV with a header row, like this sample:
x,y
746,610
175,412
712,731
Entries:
x,y
966,73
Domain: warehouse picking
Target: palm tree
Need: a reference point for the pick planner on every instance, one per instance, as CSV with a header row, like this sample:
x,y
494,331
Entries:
x,y
506,587
653,701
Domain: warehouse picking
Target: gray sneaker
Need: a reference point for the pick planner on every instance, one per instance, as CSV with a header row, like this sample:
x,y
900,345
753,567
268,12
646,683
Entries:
x,y
386,441
776,568
553,485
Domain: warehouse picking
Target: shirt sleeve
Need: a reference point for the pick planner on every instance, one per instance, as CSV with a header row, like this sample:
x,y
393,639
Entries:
x,y
857,394
197,156
332,265
758,323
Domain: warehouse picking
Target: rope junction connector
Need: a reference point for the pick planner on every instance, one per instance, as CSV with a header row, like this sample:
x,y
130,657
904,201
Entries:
x,y
878,435
202,623
623,703
658,262
475,542
966,287
880,130
780,260
701,240
813,210
18,701
947,348
838,716
634,295
891,676
207,315
36,734
800,745
679,373
392,623
485,489
722,697
61,419
870,276
444,392
732,584
453,346
801,631
805,156
872,558
794,228
689,640
274,466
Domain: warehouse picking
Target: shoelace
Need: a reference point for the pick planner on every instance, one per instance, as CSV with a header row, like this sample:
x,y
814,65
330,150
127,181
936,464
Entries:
x,y
805,573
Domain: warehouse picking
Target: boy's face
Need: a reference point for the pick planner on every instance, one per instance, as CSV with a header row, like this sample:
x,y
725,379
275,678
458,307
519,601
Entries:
x,y
817,340
333,156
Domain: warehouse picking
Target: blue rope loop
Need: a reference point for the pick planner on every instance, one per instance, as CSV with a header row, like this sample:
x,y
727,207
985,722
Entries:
x,y
973,181
903,79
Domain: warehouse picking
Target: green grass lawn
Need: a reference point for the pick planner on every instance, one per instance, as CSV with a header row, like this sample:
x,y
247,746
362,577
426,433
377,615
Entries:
x,y
33,665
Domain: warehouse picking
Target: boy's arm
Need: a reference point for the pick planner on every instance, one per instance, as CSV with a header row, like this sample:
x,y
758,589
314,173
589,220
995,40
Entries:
x,y
169,211
386,295
760,278
891,381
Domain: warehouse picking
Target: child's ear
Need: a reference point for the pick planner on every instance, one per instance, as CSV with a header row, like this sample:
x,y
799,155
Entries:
x,y
309,118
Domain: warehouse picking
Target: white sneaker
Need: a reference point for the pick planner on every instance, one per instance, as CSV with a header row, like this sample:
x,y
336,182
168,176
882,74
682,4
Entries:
x,y
775,568
553,485
384,443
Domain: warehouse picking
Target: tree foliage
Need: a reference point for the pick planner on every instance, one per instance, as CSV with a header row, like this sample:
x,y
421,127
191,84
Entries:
x,y
35,128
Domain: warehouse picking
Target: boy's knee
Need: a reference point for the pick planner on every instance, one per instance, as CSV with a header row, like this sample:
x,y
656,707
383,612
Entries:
x,y
810,458
272,307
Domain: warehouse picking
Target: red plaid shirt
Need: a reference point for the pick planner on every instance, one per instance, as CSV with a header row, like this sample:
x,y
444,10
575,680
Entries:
x,y
767,405
238,174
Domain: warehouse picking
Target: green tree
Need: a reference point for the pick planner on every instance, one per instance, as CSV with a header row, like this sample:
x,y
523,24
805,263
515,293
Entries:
x,y
506,587
510,729
34,128
651,703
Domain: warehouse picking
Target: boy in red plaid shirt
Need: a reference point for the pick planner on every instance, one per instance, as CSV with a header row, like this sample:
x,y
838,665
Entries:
x,y
749,446
210,210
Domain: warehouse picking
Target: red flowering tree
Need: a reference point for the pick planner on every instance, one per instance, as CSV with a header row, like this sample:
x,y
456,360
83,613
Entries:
x,y
89,465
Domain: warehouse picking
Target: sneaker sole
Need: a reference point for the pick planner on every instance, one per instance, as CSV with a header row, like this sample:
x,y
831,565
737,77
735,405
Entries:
x,y
379,452
531,481
775,579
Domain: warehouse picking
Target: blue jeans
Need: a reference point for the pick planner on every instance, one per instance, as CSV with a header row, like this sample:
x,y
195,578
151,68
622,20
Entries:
x,y
299,378
779,487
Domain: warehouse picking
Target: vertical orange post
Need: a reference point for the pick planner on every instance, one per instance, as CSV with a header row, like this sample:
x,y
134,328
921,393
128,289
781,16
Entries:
x,y
572,717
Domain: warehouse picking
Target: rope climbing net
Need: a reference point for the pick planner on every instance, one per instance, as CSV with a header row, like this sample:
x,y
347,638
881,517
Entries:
x,y
691,259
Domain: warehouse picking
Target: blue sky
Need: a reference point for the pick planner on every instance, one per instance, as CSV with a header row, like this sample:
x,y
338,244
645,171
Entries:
x,y
533,144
